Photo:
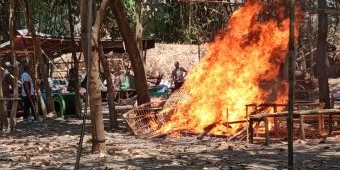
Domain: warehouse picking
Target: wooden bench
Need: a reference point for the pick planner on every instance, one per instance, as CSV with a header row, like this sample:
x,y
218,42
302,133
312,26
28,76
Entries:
x,y
296,114
253,108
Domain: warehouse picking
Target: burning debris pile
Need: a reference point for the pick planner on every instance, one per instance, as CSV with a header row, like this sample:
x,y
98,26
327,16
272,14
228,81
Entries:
x,y
242,66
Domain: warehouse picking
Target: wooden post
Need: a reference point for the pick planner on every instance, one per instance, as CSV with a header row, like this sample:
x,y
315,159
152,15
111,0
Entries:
x,y
291,84
321,120
330,117
302,128
3,114
257,122
266,127
251,131
276,123
247,123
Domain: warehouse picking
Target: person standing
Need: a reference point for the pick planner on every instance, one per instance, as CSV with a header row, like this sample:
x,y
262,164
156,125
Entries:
x,y
178,75
28,94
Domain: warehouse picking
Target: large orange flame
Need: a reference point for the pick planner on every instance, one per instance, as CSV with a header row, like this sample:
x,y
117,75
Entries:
x,y
241,66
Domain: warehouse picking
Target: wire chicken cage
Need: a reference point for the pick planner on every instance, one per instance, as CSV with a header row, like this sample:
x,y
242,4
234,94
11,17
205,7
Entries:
x,y
147,120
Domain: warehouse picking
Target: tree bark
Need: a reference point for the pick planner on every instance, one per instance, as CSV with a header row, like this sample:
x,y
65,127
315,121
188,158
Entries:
x,y
99,50
139,28
42,64
12,121
75,60
132,49
94,91
98,135
322,62
3,115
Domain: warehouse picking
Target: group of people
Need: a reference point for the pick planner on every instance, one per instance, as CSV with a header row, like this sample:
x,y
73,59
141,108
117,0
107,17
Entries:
x,y
28,91
178,75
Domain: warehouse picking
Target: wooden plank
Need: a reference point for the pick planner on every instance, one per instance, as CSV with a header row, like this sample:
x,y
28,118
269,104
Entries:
x,y
331,11
297,113
10,99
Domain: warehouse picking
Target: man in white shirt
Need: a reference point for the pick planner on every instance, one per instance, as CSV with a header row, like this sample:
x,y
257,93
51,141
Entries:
x,y
178,75
28,94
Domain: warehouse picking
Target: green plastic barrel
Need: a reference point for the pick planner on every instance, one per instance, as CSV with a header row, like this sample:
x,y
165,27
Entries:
x,y
59,104
65,104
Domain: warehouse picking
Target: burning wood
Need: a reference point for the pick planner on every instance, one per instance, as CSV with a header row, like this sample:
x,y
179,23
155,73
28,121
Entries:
x,y
240,64
207,130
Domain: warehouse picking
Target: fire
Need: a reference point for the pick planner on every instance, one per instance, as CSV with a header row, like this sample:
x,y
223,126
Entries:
x,y
241,66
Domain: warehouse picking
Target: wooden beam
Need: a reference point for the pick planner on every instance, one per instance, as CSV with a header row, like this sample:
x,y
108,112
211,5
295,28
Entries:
x,y
212,1
331,10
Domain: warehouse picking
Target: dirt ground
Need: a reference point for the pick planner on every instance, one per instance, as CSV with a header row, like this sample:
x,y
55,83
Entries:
x,y
53,143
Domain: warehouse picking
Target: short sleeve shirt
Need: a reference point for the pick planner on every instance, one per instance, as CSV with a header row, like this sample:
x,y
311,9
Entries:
x,y
25,77
178,74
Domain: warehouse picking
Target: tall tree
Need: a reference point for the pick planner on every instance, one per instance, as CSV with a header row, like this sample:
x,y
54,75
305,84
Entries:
x,y
99,51
37,54
14,63
322,62
131,47
93,89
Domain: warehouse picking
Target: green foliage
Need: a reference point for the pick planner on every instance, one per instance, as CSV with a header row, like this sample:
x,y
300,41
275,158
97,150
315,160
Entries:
x,y
183,22
4,11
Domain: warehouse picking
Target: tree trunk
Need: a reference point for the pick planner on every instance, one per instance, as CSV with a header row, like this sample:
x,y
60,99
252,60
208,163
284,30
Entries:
x,y
112,110
12,122
94,91
3,115
139,28
322,62
42,64
134,55
76,62
98,135
96,38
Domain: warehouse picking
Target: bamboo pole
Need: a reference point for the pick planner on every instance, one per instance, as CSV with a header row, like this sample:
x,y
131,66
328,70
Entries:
x,y
291,78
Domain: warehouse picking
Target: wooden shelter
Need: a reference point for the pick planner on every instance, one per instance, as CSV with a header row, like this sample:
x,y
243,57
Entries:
x,y
56,46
